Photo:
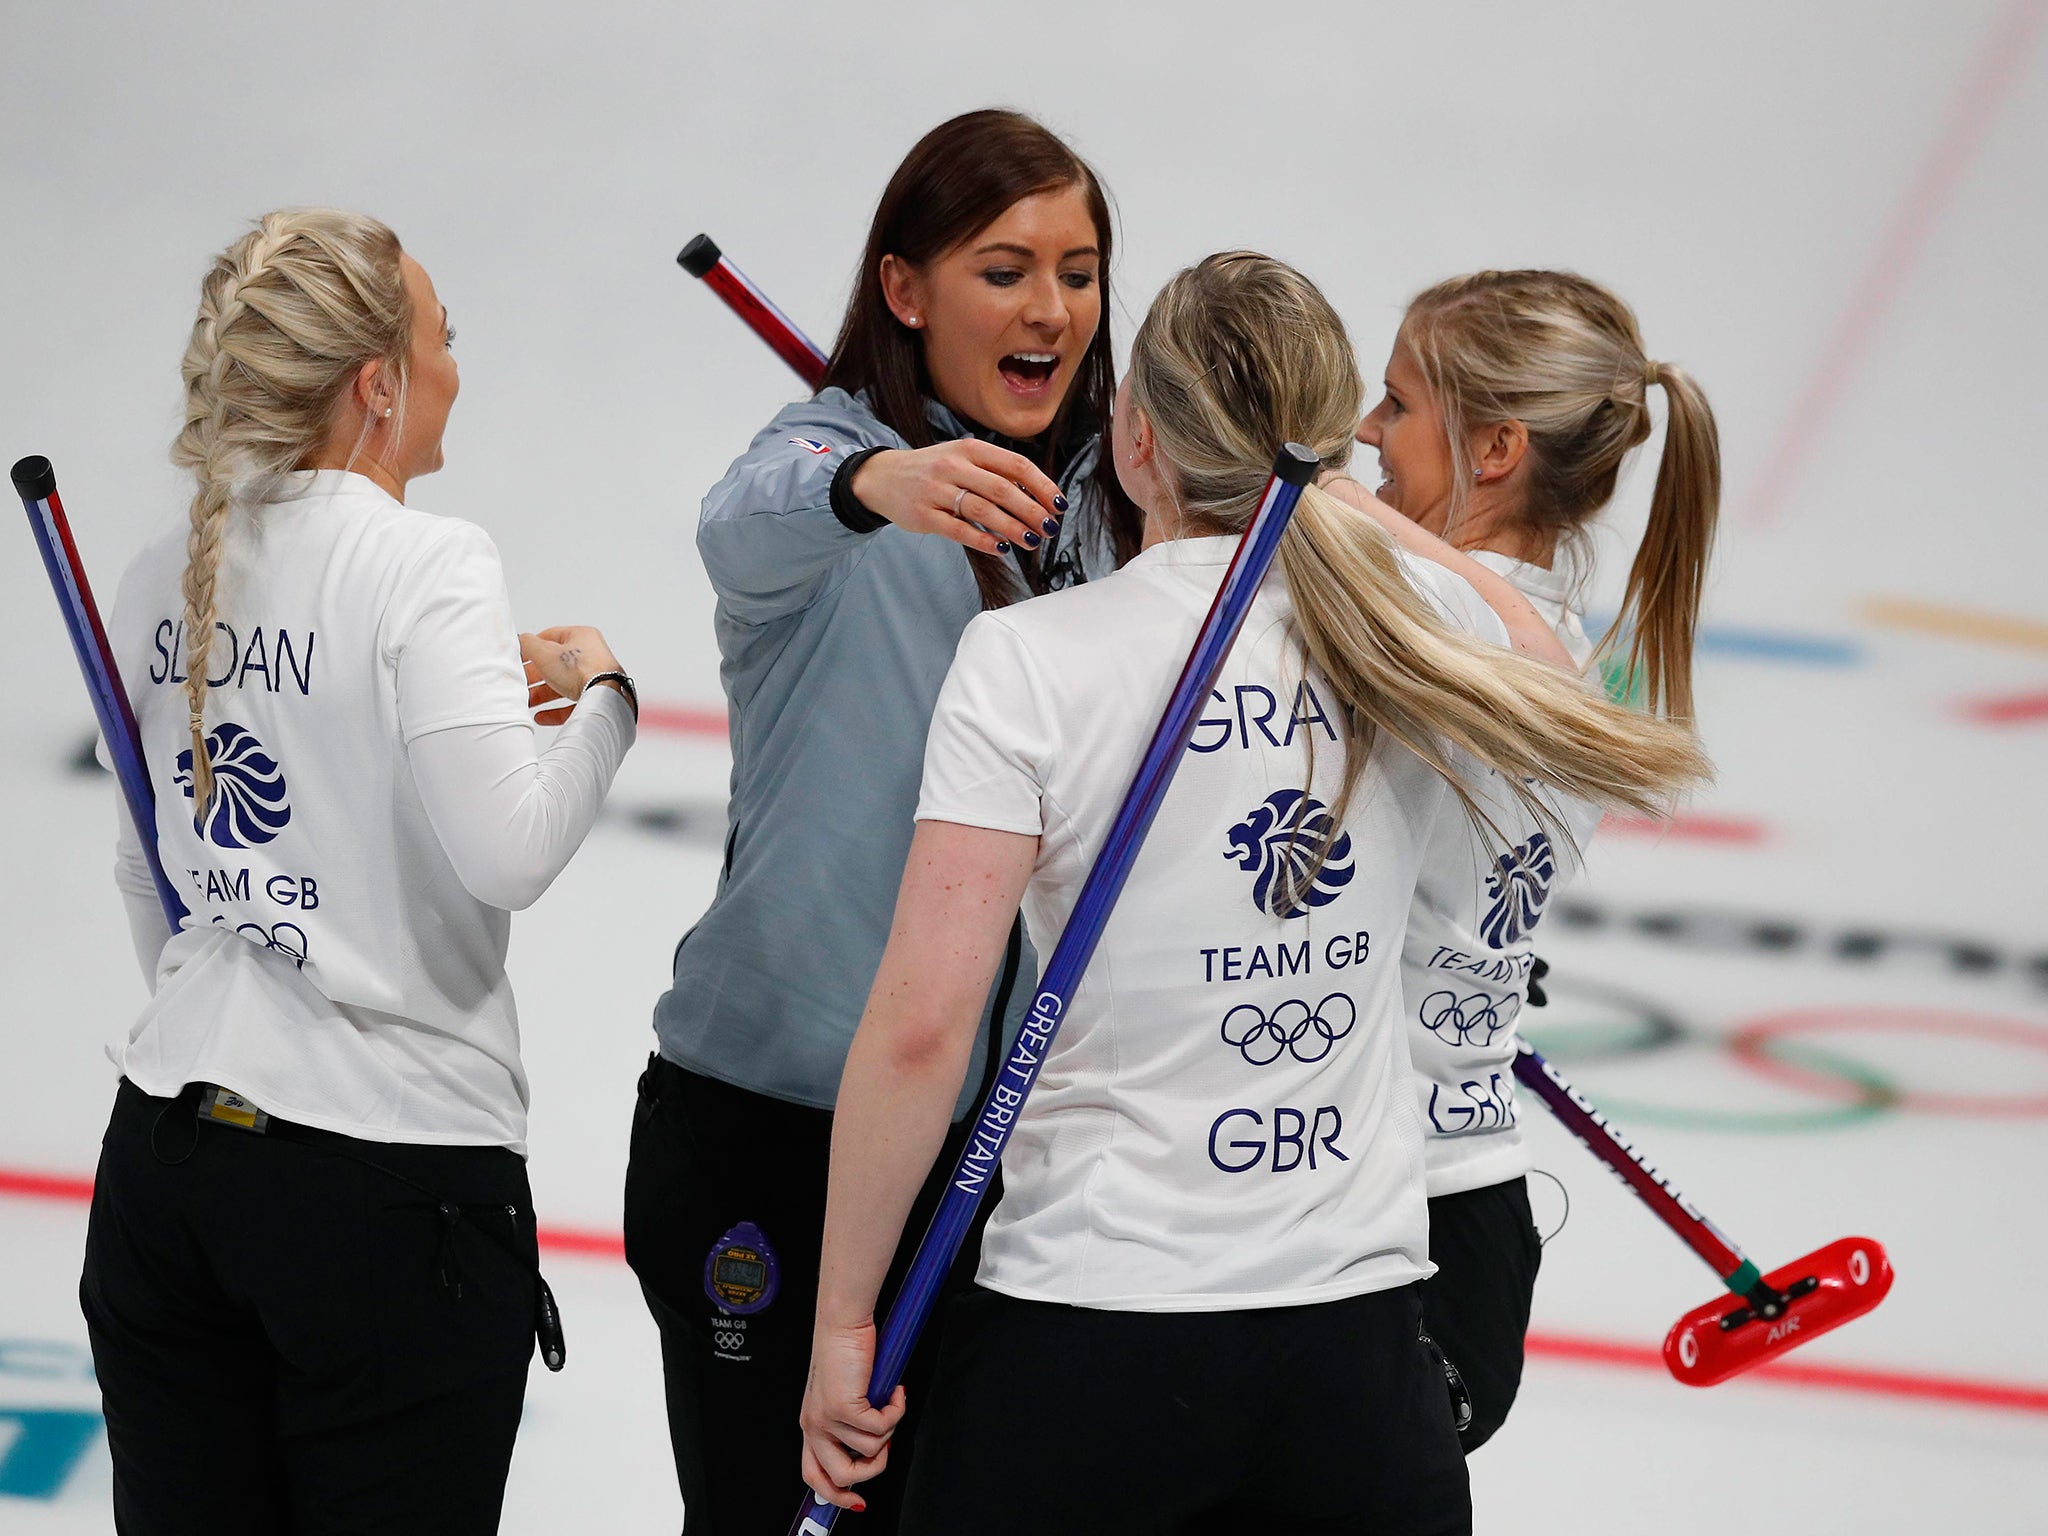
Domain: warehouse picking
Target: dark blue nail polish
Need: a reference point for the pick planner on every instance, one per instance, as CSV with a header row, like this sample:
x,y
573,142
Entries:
x,y
1052,525
1059,503
1002,546
1031,540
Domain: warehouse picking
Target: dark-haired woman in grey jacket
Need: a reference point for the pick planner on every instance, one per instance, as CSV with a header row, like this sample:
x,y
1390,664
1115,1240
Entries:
x,y
951,463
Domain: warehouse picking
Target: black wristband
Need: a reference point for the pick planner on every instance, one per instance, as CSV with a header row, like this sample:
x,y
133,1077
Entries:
x,y
626,689
845,505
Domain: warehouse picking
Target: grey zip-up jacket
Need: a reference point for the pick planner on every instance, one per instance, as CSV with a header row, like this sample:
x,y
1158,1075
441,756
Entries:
x,y
833,646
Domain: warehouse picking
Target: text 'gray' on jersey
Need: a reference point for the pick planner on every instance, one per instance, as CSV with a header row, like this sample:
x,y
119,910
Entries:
x,y
833,645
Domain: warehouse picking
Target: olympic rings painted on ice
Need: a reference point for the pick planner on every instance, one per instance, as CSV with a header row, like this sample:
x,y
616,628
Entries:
x,y
1871,1094
1308,1034
1762,1046
1654,1027
1644,1024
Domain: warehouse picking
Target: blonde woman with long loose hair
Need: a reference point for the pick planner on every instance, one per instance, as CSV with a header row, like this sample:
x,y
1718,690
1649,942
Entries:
x,y
1204,1267
310,1279
1513,400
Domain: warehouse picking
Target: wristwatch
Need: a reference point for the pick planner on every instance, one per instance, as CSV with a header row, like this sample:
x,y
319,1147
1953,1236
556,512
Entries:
x,y
625,686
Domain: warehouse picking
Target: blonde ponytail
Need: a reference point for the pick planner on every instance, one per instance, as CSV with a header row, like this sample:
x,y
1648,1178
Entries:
x,y
1564,356
288,315
1397,668
1240,353
1660,608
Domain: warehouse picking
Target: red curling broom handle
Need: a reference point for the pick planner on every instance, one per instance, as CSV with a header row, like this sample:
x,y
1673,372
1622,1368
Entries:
x,y
1642,1177
702,258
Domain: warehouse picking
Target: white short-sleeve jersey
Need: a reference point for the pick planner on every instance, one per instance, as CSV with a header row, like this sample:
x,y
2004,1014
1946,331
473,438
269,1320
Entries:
x,y
333,968
1227,1118
1466,961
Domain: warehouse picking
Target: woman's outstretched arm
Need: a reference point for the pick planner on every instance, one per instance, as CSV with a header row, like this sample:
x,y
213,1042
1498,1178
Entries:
x,y
1527,632
961,887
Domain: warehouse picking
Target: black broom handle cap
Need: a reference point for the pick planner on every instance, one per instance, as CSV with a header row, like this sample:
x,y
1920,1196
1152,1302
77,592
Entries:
x,y
34,479
699,256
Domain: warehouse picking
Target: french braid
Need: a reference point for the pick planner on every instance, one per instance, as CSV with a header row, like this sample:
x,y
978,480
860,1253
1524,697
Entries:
x,y
287,316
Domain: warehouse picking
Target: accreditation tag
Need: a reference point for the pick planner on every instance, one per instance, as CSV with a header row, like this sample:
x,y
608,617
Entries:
x,y
230,1108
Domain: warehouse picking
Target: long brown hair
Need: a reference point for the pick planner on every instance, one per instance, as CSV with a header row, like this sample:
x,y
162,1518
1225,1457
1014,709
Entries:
x,y
1241,353
1564,356
955,182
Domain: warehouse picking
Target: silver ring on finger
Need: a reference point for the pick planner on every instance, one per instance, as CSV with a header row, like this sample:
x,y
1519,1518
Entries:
x,y
959,497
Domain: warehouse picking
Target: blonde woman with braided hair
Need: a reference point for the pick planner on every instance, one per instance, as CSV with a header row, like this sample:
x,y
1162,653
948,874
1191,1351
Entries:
x,y
310,1276
1204,1267
1513,400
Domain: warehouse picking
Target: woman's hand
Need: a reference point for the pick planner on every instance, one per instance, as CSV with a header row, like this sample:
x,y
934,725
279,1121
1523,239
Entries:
x,y
971,492
559,662
846,1441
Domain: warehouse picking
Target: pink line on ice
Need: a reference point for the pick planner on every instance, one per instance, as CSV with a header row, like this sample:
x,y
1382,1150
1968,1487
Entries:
x,y
1967,123
2017,709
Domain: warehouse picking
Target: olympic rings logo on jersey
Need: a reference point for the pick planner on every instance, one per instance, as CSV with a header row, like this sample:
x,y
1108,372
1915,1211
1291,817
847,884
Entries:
x,y
1475,1020
729,1341
287,939
1307,1034
1282,840
1519,884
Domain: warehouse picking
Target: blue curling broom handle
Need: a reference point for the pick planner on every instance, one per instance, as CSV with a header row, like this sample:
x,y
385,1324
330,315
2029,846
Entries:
x,y
1294,468
36,483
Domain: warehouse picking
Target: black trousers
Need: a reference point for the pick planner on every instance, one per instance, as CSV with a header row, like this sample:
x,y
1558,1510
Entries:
x,y
1284,1421
706,1157
1476,1305
288,1341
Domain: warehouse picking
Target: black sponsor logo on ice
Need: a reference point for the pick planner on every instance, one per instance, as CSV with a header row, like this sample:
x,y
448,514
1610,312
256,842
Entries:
x,y
1733,931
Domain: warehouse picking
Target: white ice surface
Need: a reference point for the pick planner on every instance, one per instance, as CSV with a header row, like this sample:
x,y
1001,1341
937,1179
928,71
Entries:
x,y
1731,169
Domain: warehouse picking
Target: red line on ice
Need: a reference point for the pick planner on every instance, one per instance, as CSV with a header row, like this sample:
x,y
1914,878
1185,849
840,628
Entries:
x,y
1799,1373
1700,829
682,720
603,1245
64,1186
1874,1381
1967,123
2017,709
44,1186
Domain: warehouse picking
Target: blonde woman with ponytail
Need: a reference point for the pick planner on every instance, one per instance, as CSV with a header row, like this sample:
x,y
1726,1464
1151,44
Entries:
x,y
1198,1298
310,1277
1513,399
